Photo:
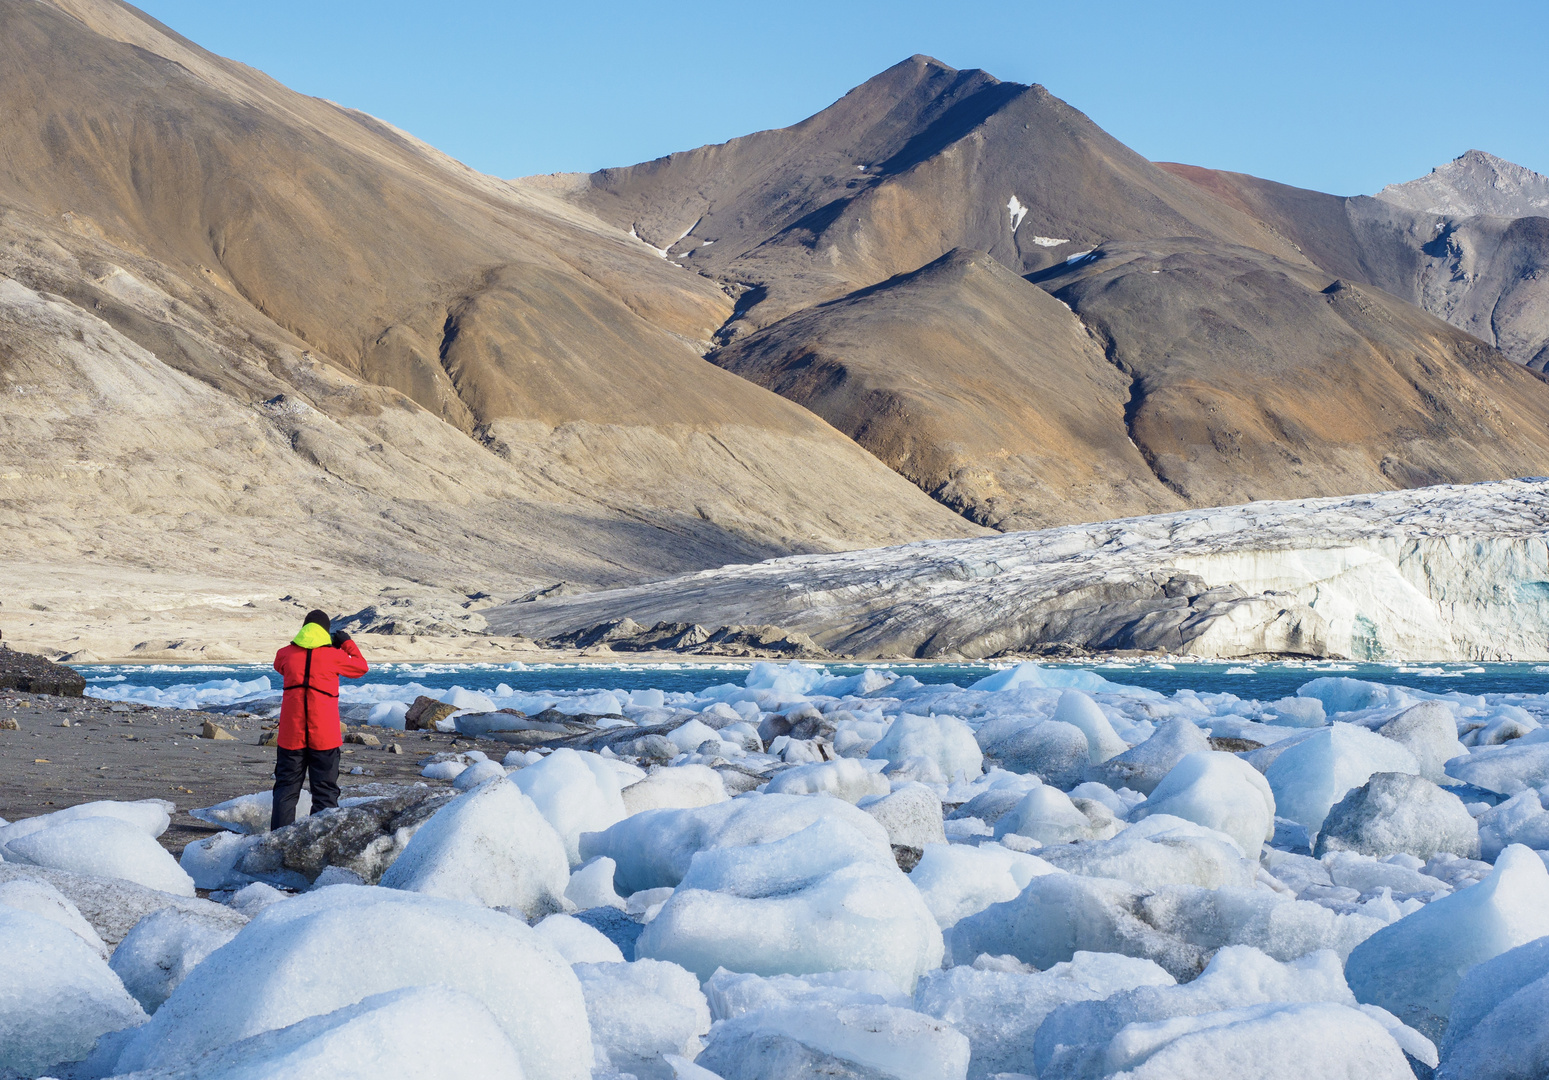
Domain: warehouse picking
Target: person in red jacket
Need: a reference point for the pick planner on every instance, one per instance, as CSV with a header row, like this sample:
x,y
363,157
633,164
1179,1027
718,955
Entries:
x,y
310,736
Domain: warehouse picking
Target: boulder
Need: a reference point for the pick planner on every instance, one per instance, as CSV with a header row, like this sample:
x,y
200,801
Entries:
x,y
38,675
211,730
363,839
1399,813
425,712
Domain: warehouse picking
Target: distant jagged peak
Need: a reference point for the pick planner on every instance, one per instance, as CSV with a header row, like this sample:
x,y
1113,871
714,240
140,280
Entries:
x,y
1474,183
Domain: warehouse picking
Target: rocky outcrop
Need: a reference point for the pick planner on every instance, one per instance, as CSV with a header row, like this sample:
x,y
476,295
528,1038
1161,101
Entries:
x,y
1450,572
626,635
38,674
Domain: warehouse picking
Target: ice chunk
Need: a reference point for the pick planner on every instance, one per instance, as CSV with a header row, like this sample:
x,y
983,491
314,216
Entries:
x,y
1220,792
679,786
1267,1042
1508,769
251,899
111,905
577,792
57,995
163,948
653,849
477,773
1365,874
364,839
1395,813
1000,1011
956,881
641,1011
1412,967
872,1041
212,862
1048,816
150,816
1310,777
468,700
1272,922
1340,694
1080,711
1430,732
591,885
1163,851
41,898
488,846
103,847
1521,819
400,1034
249,813
1030,674
578,943
911,815
304,958
822,899
1142,767
1058,915
1496,1029
945,741
1086,1039
1055,751
845,779
732,994
450,769
1303,712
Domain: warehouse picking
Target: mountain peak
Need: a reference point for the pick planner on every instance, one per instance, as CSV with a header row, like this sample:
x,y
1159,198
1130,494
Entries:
x,y
1474,183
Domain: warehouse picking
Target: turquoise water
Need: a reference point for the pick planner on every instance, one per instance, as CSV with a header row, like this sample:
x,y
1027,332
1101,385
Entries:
x,y
222,686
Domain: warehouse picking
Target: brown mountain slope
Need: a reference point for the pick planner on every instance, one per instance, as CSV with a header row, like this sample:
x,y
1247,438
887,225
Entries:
x,y
1255,379
913,163
487,376
974,384
1485,274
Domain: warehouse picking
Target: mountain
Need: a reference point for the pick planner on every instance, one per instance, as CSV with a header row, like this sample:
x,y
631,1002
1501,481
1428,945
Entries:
x,y
1218,339
279,344
1486,274
1472,184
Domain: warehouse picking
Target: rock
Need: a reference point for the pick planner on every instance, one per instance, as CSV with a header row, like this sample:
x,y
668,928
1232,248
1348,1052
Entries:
x,y
9,725
1142,767
912,817
212,730
362,738
363,839
394,748
425,712
1397,813
38,675
1430,732
271,738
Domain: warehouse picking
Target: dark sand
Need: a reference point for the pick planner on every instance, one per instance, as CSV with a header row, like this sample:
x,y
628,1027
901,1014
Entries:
x,y
148,753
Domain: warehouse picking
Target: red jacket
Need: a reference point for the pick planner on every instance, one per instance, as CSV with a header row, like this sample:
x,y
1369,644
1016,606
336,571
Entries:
x,y
309,711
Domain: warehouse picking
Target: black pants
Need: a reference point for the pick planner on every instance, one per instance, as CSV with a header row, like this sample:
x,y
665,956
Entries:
x,y
289,767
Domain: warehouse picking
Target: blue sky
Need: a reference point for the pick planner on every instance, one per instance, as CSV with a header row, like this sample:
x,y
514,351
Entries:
x,y
1342,97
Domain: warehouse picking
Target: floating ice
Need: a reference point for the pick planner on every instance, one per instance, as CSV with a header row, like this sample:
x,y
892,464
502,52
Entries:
x,y
1496,1028
1506,769
1142,767
1080,711
1220,792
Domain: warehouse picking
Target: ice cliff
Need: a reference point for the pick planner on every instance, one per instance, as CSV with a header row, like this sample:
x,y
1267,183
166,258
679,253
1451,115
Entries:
x,y
1440,573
